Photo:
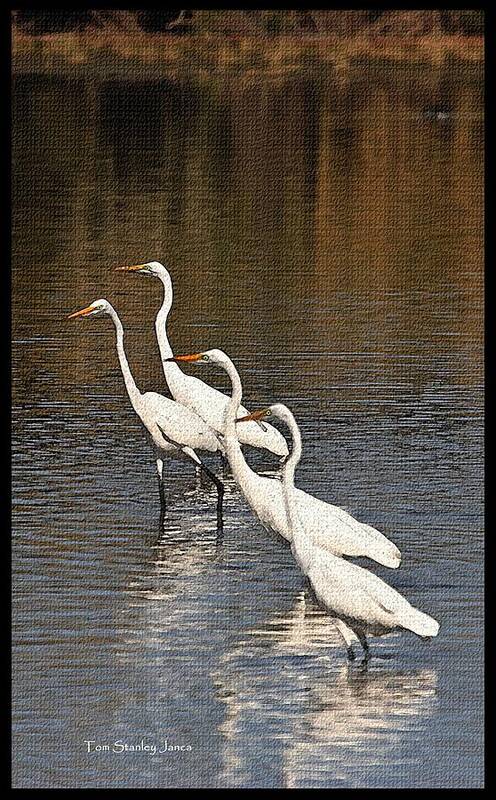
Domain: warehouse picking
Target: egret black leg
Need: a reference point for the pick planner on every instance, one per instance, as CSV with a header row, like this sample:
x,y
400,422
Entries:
x,y
161,489
348,637
161,521
365,646
219,540
220,494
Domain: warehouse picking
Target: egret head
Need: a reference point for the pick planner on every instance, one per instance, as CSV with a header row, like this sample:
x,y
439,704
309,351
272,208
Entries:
x,y
208,357
263,413
276,410
151,269
283,413
97,307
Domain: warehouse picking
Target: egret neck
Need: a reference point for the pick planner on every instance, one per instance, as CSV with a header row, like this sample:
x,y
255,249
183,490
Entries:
x,y
302,548
132,390
172,371
239,467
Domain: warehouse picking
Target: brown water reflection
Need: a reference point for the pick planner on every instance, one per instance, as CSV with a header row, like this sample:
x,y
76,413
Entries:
x,y
344,187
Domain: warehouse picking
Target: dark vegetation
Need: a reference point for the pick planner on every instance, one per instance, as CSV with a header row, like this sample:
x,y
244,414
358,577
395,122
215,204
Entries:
x,y
176,22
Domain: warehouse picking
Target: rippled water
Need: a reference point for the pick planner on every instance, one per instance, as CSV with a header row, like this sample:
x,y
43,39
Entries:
x,y
328,237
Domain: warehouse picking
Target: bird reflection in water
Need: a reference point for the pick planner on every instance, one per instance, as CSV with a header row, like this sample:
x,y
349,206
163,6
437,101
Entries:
x,y
338,719
172,569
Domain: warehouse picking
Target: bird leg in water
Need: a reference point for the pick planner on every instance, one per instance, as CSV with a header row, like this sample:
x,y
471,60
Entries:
x,y
219,541
161,489
348,637
161,520
220,494
363,641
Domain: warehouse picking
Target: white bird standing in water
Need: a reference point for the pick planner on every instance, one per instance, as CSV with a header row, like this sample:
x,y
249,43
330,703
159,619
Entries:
x,y
359,602
204,400
172,428
328,526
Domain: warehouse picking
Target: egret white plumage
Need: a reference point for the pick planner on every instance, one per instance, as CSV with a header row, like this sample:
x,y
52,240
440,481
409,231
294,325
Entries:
x,y
172,428
204,400
329,526
360,603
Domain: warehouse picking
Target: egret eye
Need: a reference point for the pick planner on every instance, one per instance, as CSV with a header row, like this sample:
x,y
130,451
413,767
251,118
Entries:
x,y
205,358
268,412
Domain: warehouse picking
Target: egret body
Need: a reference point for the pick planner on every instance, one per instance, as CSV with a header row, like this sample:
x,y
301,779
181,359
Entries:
x,y
172,428
204,400
359,602
329,526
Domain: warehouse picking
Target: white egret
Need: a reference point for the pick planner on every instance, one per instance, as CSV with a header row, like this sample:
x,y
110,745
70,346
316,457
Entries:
x,y
327,525
172,428
204,400
359,602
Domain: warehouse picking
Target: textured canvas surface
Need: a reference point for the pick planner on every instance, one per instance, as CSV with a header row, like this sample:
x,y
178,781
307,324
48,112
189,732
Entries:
x,y
313,181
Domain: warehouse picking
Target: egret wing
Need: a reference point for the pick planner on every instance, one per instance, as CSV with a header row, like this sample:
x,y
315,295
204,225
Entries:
x,y
179,424
340,533
211,405
353,592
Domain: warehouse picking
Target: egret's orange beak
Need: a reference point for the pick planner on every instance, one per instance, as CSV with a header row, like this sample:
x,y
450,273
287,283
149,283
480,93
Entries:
x,y
130,269
83,313
194,357
256,415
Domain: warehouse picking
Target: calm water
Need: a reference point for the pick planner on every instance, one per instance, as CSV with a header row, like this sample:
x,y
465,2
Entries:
x,y
328,237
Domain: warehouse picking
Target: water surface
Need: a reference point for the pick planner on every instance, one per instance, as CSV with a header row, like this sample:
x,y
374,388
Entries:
x,y
327,234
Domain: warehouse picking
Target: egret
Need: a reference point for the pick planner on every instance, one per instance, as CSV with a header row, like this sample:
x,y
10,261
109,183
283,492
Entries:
x,y
327,525
359,602
172,428
204,400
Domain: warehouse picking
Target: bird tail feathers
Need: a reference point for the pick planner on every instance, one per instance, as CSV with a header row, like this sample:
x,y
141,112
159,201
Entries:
x,y
421,624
